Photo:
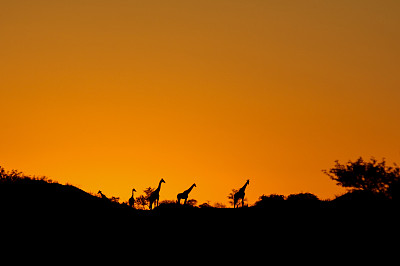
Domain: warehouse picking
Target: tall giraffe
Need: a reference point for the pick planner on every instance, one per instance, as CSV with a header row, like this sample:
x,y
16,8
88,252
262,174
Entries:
x,y
103,197
240,195
184,194
155,195
132,199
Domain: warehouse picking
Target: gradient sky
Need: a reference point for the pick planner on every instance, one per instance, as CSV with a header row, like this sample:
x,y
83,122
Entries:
x,y
117,94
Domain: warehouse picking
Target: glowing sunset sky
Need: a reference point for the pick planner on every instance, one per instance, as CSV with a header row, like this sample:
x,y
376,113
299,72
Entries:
x,y
116,94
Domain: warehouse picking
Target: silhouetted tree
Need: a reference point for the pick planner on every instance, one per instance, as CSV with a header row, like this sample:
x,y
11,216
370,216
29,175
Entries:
x,y
371,176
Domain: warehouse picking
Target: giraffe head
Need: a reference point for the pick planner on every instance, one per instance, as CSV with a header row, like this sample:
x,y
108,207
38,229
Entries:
x,y
162,180
194,184
133,189
248,181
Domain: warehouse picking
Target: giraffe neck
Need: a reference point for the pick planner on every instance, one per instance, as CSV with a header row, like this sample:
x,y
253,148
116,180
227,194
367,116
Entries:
x,y
159,186
190,189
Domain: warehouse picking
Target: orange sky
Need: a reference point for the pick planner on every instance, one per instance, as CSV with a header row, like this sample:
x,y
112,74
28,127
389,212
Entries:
x,y
117,94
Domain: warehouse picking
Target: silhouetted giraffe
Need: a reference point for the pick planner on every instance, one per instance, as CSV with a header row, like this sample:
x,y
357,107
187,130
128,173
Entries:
x,y
155,195
184,194
240,195
103,196
131,201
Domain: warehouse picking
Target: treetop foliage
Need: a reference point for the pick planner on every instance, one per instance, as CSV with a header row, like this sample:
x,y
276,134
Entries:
x,y
372,176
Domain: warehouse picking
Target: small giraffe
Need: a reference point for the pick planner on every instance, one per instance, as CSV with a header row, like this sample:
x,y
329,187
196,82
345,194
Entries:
x,y
240,195
155,195
131,201
184,195
103,197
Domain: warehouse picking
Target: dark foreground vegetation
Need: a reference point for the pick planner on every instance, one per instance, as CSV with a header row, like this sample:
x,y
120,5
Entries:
x,y
373,195
47,215
30,200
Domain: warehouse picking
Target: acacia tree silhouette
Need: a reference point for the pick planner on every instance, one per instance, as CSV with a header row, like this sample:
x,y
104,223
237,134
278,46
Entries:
x,y
373,176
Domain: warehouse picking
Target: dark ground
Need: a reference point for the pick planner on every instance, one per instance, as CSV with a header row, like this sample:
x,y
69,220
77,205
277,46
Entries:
x,y
37,200
32,210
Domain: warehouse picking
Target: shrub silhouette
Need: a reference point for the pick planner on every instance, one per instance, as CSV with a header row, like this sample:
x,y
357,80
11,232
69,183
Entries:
x,y
302,197
231,195
191,202
140,202
264,200
205,205
219,205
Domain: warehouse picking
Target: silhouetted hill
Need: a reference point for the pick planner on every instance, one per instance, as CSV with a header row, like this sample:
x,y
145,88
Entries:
x,y
64,213
39,198
35,209
24,198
